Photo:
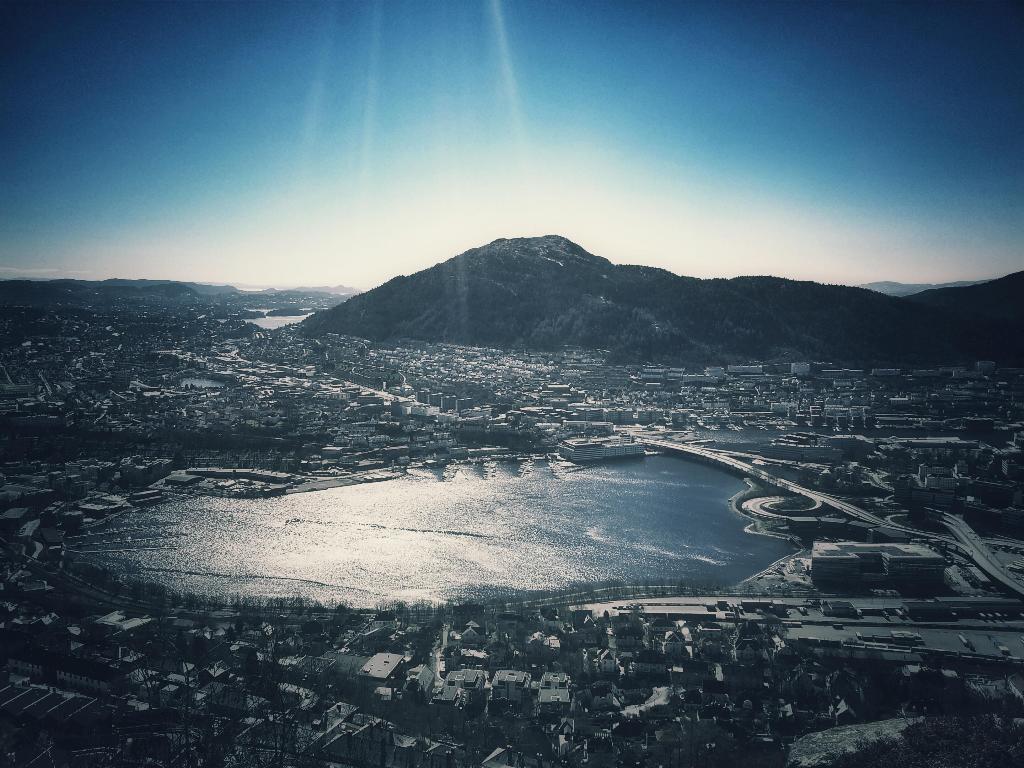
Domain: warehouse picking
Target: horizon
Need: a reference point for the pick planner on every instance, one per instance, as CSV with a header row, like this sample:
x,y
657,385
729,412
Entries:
x,y
247,287
324,144
511,383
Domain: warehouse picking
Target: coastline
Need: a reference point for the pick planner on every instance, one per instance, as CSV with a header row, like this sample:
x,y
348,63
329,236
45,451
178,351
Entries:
x,y
752,492
372,476
658,578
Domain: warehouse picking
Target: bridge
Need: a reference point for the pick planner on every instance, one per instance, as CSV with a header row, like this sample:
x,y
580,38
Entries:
x,y
963,536
737,466
979,552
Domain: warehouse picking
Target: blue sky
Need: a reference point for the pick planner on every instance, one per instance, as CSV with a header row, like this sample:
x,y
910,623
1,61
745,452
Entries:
x,y
320,143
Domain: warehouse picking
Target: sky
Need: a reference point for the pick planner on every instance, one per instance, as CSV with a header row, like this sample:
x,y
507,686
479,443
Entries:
x,y
346,143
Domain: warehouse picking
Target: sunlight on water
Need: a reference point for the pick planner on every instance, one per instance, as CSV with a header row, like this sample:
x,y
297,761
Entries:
x,y
431,536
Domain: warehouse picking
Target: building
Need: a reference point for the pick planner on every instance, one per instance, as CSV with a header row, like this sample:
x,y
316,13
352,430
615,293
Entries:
x,y
467,679
580,450
817,454
853,563
553,695
383,669
66,671
510,685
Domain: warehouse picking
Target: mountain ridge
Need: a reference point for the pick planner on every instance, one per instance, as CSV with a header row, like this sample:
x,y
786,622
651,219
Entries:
x,y
546,292
43,291
998,299
896,288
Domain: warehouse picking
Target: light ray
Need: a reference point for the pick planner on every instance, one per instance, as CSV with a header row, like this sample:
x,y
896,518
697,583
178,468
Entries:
x,y
508,83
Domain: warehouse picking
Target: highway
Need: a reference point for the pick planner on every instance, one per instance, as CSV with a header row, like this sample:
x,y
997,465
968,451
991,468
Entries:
x,y
983,557
718,457
964,537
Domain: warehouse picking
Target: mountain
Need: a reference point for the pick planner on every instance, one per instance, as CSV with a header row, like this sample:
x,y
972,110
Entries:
x,y
546,292
38,292
1000,299
334,290
81,292
891,288
203,289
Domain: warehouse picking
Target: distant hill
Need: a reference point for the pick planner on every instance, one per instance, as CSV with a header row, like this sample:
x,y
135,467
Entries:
x,y
547,292
891,288
332,290
335,290
203,289
35,292
1000,299
80,292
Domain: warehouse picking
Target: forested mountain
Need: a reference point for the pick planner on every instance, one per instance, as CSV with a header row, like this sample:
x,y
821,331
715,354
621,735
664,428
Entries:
x,y
546,292
118,291
43,293
1001,299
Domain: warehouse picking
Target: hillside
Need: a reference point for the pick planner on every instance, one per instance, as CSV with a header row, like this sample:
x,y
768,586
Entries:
x,y
892,288
44,293
113,292
546,292
1001,299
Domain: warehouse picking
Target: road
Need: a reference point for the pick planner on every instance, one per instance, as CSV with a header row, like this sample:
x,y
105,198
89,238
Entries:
x,y
719,457
983,557
964,537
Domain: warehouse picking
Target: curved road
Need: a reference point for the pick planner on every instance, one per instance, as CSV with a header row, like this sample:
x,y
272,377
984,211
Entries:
x,y
963,537
983,557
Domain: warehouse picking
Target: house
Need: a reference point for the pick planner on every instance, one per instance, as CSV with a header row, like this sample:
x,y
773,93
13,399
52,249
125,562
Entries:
x,y
510,685
605,697
585,630
554,700
648,664
383,669
473,680
461,688
450,696
363,740
420,680
674,643
470,637
603,662
474,659
626,637
554,680
698,673
553,695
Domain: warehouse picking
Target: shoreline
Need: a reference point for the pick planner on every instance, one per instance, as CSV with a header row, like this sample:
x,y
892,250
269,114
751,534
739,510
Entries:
x,y
753,492
371,476
657,586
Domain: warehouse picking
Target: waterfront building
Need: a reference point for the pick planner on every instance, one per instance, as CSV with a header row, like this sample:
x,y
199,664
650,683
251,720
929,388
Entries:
x,y
847,562
581,450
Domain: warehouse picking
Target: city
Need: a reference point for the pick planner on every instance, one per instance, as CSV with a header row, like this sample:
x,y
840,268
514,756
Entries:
x,y
511,384
897,491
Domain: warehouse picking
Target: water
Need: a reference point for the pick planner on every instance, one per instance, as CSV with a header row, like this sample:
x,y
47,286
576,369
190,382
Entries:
x,y
489,529
270,322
